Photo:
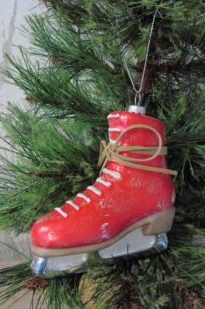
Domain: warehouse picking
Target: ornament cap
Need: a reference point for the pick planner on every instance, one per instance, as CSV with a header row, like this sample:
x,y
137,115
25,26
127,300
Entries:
x,y
136,109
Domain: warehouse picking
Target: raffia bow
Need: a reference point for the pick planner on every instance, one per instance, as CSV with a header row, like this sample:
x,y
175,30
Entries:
x,y
112,151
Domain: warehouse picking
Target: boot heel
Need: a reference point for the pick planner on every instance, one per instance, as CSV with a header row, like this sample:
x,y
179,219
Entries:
x,y
160,222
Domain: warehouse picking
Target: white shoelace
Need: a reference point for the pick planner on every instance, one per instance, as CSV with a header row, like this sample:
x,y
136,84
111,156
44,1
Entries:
x,y
113,116
114,174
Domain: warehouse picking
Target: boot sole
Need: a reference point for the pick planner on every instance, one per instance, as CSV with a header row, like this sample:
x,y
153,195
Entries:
x,y
160,222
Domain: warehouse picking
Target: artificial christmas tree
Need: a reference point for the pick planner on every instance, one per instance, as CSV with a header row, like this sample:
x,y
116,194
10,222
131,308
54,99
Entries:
x,y
88,46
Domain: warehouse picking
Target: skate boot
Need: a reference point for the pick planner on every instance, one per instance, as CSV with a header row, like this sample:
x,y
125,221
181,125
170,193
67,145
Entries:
x,y
129,208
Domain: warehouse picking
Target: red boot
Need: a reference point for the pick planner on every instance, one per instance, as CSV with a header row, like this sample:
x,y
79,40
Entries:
x,y
133,193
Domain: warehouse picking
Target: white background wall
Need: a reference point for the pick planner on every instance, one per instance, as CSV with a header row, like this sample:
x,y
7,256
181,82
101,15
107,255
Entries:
x,y
12,17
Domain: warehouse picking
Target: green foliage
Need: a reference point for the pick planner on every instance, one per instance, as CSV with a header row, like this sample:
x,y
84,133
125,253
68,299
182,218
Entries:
x,y
58,87
62,293
80,78
159,280
59,293
54,160
12,280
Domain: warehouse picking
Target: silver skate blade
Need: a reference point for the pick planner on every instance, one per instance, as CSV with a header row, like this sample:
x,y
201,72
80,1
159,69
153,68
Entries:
x,y
135,242
50,267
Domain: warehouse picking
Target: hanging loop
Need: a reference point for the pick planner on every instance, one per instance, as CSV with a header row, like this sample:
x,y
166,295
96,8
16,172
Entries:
x,y
138,98
138,92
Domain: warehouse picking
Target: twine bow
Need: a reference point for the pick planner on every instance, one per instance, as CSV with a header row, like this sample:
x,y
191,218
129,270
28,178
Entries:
x,y
112,151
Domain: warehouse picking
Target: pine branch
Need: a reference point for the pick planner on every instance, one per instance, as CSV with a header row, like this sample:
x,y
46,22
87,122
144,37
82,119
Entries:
x,y
47,170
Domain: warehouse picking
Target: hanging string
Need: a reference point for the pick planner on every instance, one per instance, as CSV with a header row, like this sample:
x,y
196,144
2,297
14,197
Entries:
x,y
138,93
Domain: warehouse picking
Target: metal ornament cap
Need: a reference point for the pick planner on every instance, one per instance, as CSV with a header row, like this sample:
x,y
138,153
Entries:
x,y
137,109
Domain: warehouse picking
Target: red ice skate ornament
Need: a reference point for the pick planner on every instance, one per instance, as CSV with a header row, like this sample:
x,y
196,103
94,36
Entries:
x,y
128,209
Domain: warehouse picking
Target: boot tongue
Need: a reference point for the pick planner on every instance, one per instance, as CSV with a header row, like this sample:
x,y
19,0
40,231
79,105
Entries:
x,y
119,121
